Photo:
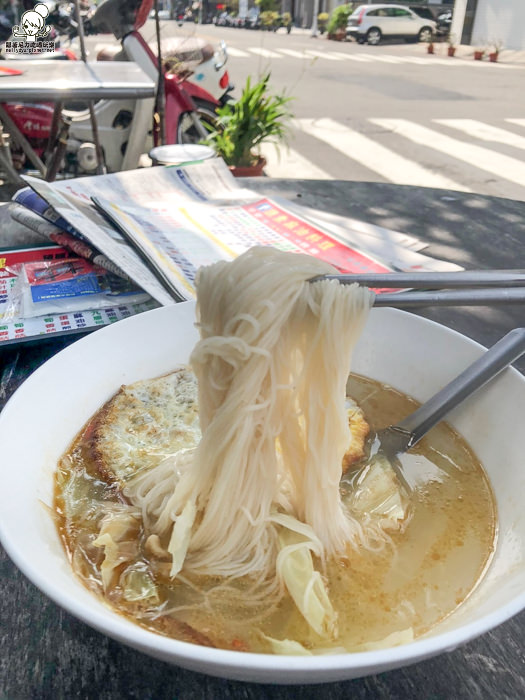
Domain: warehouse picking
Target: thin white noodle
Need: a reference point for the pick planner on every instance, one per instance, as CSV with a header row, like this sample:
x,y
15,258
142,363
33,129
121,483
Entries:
x,y
272,366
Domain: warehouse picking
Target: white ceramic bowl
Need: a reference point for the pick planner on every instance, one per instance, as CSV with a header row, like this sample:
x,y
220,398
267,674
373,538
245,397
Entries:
x,y
410,353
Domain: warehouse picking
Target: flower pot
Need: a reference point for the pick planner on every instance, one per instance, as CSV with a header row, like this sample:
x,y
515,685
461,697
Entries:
x,y
478,55
430,48
255,170
493,57
451,50
338,35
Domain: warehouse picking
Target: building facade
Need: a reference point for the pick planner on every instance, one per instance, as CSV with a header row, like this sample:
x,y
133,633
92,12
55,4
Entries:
x,y
484,22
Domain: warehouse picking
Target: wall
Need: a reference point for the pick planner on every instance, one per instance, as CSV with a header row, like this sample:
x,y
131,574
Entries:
x,y
500,21
303,13
494,20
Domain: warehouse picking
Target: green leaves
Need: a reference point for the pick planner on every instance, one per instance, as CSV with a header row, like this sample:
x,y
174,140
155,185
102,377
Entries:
x,y
339,17
243,125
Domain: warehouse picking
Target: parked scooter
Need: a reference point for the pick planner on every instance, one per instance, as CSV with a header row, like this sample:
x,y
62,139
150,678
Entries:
x,y
125,127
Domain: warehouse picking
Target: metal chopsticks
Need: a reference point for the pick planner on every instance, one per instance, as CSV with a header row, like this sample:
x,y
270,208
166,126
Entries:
x,y
452,297
434,280
462,288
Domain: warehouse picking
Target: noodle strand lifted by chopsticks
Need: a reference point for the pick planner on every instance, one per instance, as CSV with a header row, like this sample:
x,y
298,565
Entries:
x,y
272,365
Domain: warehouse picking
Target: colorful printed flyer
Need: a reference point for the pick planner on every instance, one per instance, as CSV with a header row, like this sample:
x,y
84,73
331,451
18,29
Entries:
x,y
18,329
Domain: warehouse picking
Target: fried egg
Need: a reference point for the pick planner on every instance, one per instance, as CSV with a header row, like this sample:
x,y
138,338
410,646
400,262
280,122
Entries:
x,y
145,422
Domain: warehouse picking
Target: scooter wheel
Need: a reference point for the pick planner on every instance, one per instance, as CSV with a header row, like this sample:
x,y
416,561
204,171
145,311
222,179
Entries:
x,y
186,132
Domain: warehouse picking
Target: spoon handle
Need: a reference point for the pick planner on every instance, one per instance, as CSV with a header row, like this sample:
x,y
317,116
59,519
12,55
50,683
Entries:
x,y
499,356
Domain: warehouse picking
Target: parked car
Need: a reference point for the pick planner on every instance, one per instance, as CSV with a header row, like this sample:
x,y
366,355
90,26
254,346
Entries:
x,y
422,11
371,23
444,21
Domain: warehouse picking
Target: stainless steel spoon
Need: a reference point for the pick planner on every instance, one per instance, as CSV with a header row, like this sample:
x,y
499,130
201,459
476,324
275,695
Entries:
x,y
397,439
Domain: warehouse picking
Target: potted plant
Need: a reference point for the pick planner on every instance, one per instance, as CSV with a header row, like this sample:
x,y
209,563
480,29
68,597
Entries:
x,y
479,51
451,50
269,20
496,46
242,126
286,21
322,21
337,23
430,45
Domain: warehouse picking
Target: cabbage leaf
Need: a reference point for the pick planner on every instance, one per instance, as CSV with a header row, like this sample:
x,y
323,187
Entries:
x,y
378,493
292,648
180,537
394,639
304,584
137,584
118,537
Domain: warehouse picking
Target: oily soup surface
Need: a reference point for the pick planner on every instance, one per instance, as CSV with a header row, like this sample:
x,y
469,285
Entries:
x,y
415,581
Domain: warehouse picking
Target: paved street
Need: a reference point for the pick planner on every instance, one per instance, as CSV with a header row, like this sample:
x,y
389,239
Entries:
x,y
390,113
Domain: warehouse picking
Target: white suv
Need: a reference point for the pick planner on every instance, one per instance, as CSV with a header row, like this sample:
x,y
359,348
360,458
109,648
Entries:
x,y
373,22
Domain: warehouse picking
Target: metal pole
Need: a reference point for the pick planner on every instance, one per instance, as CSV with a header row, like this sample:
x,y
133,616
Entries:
x,y
160,97
53,132
6,161
21,140
314,18
101,168
59,152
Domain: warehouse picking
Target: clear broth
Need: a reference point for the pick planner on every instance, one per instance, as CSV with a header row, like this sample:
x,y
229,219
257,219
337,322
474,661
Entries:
x,y
414,582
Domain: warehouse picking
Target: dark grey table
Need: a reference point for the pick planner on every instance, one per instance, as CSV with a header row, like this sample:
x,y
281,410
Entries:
x,y
46,653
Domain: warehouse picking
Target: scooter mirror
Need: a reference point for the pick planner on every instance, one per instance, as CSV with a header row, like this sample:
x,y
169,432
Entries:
x,y
143,13
120,17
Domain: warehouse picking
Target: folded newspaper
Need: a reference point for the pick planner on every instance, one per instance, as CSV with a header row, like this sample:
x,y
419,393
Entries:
x,y
159,225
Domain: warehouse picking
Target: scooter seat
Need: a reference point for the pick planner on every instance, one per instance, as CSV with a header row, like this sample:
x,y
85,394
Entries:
x,y
110,52
185,52
192,50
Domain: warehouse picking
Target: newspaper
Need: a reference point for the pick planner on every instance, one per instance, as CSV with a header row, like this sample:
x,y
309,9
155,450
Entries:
x,y
350,228
166,222
50,231
75,206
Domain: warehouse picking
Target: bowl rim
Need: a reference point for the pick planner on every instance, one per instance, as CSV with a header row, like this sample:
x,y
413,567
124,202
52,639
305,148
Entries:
x,y
236,664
